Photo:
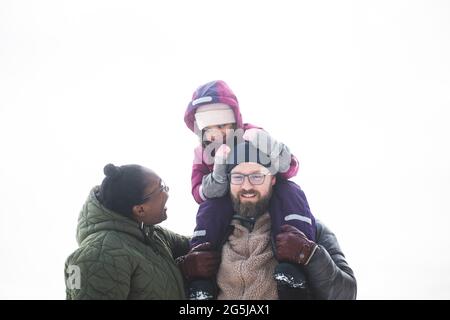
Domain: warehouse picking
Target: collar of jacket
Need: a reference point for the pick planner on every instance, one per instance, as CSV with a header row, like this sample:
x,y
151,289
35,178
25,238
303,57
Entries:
x,y
247,222
148,231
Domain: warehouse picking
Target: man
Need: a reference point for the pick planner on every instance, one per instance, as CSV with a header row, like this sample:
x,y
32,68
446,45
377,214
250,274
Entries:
x,y
249,267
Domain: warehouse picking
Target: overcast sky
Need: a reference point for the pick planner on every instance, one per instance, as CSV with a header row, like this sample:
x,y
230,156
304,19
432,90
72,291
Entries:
x,y
358,90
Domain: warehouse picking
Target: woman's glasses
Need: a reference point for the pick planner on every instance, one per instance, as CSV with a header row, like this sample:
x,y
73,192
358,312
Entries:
x,y
162,188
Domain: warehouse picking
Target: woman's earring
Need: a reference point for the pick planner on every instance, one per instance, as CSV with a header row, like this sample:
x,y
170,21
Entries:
x,y
142,225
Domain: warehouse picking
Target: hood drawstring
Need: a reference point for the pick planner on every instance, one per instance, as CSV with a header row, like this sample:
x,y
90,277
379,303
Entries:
x,y
147,231
153,240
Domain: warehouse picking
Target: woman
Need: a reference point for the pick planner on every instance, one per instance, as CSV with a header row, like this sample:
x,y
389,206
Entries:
x,y
123,254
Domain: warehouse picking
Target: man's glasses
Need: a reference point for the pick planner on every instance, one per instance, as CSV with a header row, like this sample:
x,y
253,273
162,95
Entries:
x,y
254,178
162,188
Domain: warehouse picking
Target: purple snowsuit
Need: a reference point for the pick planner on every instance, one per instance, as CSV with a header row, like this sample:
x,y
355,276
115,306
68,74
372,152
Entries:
x,y
288,204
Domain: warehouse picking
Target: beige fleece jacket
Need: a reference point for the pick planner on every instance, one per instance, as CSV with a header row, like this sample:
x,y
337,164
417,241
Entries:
x,y
247,267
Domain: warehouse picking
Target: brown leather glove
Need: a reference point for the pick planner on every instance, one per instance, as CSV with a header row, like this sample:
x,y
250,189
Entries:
x,y
293,246
200,262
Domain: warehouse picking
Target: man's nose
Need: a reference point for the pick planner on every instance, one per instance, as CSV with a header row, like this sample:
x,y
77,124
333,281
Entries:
x,y
246,185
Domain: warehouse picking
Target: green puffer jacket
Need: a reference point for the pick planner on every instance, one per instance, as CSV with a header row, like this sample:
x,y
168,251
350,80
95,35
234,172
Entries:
x,y
117,260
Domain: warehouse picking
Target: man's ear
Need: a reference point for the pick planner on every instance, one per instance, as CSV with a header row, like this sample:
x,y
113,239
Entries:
x,y
274,180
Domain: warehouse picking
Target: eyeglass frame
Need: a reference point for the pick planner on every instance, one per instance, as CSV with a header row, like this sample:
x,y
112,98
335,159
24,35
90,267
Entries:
x,y
248,177
162,188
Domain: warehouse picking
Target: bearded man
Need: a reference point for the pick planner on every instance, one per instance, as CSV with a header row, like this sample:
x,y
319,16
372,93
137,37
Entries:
x,y
251,255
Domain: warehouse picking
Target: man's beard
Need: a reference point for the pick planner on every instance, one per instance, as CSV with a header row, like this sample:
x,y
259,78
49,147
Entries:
x,y
250,209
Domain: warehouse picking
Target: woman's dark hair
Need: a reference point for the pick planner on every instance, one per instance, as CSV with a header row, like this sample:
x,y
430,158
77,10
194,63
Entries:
x,y
122,188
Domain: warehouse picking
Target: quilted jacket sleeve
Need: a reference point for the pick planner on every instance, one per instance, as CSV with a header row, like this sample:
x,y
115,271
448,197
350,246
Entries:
x,y
102,276
178,244
329,274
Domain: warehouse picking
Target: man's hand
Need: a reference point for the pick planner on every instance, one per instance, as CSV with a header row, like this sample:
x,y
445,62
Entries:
x,y
293,246
200,262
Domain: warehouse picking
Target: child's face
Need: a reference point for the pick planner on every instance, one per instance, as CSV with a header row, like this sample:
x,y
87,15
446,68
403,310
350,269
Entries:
x,y
218,132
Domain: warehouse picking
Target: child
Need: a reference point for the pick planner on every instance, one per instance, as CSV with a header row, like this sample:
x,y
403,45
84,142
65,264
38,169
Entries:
x,y
214,115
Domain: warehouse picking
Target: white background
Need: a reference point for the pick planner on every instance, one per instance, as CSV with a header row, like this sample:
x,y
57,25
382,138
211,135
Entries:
x,y
359,91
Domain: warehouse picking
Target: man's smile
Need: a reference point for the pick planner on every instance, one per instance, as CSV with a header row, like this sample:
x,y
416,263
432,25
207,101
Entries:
x,y
249,195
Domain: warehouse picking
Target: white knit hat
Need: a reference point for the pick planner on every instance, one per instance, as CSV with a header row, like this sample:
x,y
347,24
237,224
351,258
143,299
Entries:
x,y
214,114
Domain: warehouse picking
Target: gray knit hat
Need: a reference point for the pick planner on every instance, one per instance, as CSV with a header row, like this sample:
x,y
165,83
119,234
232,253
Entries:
x,y
246,152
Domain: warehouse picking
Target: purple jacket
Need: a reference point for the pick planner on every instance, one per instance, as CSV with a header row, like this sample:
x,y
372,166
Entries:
x,y
217,92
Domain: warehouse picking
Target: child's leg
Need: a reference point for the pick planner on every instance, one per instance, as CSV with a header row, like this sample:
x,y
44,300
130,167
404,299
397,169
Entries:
x,y
213,221
289,206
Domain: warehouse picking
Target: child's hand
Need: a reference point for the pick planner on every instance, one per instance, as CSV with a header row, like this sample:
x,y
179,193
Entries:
x,y
251,134
222,154
261,140
220,167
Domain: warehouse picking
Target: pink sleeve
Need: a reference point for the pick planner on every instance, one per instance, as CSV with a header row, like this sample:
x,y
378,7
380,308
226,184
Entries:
x,y
196,193
199,169
293,169
197,177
